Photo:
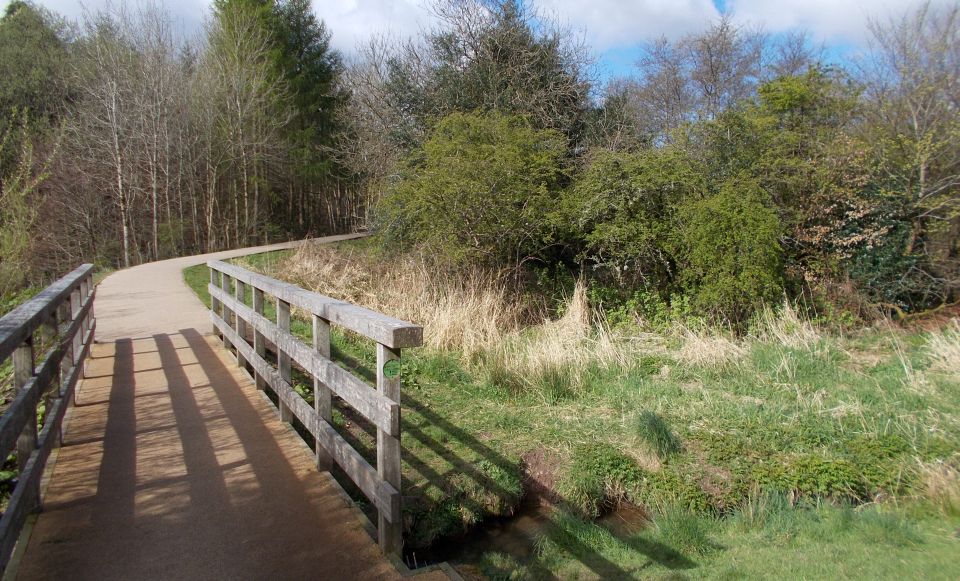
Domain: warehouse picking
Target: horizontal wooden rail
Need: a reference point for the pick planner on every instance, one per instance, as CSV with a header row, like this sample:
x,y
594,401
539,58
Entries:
x,y
59,320
232,319
385,330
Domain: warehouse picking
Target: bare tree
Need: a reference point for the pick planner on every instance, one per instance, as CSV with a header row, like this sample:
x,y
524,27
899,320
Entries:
x,y
157,80
912,79
252,107
103,128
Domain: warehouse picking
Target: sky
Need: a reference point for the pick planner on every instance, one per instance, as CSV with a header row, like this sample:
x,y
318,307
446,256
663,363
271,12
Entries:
x,y
614,29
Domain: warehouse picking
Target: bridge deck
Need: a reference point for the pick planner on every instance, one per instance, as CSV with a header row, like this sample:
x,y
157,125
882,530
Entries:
x,y
173,466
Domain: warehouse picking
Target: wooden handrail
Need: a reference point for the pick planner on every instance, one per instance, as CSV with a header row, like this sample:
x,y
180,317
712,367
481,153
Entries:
x,y
24,320
381,328
63,315
232,318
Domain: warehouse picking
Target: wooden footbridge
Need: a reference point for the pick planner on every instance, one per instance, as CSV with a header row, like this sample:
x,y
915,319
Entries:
x,y
147,447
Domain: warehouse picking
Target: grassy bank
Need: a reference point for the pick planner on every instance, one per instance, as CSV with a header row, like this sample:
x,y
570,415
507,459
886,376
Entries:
x,y
792,452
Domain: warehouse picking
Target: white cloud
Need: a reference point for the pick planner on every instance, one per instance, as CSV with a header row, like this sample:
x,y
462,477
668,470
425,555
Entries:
x,y
354,21
350,21
186,13
827,20
606,24
617,23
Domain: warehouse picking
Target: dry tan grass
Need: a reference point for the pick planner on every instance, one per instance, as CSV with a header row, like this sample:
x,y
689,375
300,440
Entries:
x,y
944,348
708,348
786,327
940,483
479,315
475,314
562,351
469,313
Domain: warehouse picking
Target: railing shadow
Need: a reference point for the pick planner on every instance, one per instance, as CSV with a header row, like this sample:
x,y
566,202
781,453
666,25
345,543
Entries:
x,y
361,434
654,553
199,482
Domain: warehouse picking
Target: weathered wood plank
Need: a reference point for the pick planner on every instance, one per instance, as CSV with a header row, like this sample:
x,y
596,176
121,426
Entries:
x,y
23,375
24,404
384,496
259,344
322,395
390,532
283,356
380,410
22,321
377,326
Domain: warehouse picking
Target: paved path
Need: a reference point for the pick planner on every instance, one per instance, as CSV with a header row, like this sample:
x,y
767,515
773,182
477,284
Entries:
x,y
173,466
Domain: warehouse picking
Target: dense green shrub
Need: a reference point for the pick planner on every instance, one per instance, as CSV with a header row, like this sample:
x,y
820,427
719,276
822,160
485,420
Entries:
x,y
479,191
623,206
730,255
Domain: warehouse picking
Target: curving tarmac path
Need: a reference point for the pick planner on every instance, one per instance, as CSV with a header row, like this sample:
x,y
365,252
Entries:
x,y
173,466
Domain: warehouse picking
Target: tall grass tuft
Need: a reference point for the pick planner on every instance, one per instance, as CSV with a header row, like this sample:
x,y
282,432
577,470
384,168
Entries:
x,y
469,313
944,349
684,531
655,431
939,482
785,326
558,357
708,348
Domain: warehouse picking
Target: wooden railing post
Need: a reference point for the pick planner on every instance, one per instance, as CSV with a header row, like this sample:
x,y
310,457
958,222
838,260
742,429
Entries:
x,y
214,303
85,288
283,359
76,303
87,325
389,531
66,364
240,293
23,371
259,345
49,331
225,312
322,396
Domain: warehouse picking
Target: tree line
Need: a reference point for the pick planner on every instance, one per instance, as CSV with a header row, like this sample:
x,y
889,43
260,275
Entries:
x,y
124,142
732,168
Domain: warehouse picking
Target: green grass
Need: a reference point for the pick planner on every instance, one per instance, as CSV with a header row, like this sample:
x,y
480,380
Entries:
x,y
825,542
783,453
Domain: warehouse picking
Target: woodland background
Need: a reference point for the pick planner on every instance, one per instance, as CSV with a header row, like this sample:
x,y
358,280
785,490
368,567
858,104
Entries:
x,y
733,168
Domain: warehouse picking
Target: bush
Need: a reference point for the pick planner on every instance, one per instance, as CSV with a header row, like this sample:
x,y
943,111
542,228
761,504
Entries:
x,y
623,207
479,191
729,247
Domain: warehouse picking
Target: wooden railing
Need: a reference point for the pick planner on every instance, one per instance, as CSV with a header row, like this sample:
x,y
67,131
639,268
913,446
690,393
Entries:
x,y
234,320
59,322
